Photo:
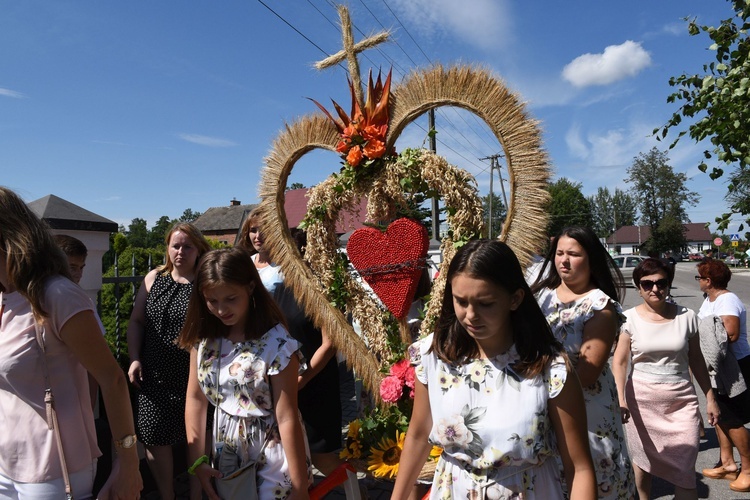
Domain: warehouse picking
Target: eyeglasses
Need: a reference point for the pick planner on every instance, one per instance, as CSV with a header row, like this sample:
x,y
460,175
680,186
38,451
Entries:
x,y
649,285
698,278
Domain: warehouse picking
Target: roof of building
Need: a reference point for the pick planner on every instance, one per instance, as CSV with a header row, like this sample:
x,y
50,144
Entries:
x,y
230,218
62,214
223,219
694,231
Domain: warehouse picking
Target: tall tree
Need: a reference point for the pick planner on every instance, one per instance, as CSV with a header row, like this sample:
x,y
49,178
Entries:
x,y
716,102
296,185
498,214
157,233
611,211
568,206
189,216
137,233
662,197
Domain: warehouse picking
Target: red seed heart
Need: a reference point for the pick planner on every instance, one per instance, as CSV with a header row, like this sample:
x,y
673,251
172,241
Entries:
x,y
391,262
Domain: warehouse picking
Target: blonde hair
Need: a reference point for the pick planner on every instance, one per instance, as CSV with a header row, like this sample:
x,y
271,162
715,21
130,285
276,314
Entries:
x,y
196,238
31,253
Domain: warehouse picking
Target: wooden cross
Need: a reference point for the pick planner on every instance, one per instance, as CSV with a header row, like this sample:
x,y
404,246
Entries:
x,y
350,52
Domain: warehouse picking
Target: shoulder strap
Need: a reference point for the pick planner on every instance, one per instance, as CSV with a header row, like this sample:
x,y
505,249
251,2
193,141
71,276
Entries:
x,y
49,403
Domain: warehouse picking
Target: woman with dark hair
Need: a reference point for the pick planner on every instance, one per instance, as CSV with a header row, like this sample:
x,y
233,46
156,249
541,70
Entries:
x,y
158,367
492,354
713,278
37,295
579,291
658,401
244,362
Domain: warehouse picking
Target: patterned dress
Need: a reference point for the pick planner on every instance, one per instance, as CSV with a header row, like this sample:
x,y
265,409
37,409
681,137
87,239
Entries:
x,y
614,474
246,419
493,426
161,400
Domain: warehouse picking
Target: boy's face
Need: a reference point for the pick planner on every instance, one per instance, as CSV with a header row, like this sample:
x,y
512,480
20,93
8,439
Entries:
x,y
76,263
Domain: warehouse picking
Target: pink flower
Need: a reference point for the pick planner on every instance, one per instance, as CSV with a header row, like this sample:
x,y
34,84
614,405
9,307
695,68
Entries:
x,y
409,379
400,368
391,389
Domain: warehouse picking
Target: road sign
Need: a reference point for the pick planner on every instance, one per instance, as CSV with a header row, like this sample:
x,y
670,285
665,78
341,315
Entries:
x,y
718,242
735,243
734,237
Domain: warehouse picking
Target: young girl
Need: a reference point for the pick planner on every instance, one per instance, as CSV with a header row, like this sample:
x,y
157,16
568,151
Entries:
x,y
494,391
245,362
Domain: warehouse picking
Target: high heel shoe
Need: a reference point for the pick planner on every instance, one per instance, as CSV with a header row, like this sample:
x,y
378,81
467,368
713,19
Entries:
x,y
719,472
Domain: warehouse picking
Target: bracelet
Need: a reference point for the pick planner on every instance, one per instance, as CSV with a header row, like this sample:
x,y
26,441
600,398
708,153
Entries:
x,y
202,460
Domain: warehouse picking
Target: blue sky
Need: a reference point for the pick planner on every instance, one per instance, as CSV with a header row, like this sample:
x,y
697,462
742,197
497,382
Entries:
x,y
143,109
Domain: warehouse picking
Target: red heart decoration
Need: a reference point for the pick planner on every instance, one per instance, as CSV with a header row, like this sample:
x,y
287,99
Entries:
x,y
391,262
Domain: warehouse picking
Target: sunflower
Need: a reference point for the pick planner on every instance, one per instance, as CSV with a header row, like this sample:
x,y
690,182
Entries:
x,y
435,453
384,457
352,446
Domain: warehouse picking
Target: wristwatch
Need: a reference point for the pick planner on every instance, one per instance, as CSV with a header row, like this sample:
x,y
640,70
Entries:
x,y
126,442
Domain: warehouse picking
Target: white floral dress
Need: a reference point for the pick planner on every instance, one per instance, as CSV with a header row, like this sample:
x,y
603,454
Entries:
x,y
493,426
614,474
245,416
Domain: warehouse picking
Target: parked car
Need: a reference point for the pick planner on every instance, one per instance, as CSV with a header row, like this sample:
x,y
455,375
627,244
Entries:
x,y
732,261
627,263
696,256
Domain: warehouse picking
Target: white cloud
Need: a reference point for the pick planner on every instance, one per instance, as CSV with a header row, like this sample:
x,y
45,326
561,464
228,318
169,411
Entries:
x,y
203,140
485,24
11,93
615,63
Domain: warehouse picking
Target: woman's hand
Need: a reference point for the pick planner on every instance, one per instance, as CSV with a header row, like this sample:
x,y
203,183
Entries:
x,y
124,482
712,409
624,412
135,373
205,473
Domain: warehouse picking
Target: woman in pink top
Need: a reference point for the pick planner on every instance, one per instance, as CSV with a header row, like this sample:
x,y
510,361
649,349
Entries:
x,y
35,289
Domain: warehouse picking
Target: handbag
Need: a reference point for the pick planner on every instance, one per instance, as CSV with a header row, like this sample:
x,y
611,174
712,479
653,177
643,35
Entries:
x,y
49,403
237,480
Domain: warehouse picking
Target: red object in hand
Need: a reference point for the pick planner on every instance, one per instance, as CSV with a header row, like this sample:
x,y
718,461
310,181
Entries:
x,y
391,262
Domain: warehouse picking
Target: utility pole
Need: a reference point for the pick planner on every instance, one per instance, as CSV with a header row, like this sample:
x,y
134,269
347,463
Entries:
x,y
494,165
435,207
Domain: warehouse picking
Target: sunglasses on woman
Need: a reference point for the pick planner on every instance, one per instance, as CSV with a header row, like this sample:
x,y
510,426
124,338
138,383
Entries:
x,y
649,285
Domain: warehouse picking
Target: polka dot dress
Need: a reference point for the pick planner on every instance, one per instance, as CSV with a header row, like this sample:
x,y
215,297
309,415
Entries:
x,y
161,400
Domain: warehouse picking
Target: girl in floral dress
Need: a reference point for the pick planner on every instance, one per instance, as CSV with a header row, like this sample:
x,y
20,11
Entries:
x,y
245,362
579,296
494,390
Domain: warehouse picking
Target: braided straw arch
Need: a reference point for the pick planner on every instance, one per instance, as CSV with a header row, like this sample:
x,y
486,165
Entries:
x,y
478,91
475,90
297,139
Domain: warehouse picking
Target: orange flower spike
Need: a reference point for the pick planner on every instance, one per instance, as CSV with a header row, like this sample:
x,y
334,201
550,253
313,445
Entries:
x,y
377,101
339,126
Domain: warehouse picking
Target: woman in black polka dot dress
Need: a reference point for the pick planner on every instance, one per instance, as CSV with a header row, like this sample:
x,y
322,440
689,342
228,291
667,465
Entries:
x,y
158,367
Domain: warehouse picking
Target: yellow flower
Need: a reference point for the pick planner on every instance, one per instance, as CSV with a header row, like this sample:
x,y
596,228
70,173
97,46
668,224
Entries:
x,y
385,456
352,445
435,453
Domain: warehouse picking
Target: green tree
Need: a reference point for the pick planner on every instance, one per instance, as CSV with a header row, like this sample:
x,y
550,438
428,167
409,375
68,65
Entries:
x,y
296,185
137,233
498,214
662,197
568,206
611,211
716,102
188,215
157,233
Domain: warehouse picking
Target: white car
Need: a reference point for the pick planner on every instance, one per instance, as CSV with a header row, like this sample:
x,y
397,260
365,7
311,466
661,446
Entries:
x,y
627,263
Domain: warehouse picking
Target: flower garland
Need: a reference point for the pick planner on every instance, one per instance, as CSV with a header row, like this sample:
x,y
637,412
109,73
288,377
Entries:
x,y
389,181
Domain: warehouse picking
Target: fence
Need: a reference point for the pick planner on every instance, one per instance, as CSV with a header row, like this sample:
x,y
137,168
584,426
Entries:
x,y
118,282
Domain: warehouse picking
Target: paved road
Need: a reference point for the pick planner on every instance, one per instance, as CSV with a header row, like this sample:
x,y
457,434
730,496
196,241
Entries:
x,y
686,292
